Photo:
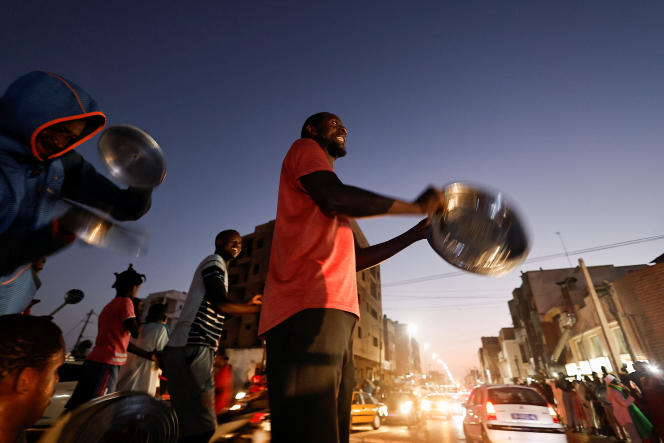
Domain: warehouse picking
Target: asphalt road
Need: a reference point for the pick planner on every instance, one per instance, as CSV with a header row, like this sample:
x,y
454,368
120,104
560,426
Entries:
x,y
437,431
429,431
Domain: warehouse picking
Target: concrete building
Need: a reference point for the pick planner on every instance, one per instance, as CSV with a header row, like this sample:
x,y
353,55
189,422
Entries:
x,y
510,360
389,349
641,294
488,356
543,312
174,300
247,275
368,339
246,278
407,351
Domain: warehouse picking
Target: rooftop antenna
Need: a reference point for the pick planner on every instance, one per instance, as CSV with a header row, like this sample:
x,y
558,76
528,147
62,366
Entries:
x,y
564,249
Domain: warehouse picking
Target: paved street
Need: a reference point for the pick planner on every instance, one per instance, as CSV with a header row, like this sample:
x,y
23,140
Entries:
x,y
435,431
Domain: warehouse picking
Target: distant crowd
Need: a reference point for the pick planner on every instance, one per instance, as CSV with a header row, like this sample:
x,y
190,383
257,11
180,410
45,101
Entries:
x,y
626,405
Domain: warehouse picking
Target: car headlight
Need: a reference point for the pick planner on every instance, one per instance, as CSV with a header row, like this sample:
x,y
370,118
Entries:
x,y
406,407
426,405
240,395
382,411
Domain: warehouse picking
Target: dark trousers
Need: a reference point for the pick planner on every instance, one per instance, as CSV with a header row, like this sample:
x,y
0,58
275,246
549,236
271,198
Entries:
x,y
96,380
310,376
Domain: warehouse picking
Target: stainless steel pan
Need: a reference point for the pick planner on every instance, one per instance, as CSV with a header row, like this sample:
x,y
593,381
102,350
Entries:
x,y
479,231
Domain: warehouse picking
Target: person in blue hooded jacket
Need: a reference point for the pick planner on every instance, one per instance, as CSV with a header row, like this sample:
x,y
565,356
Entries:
x,y
43,117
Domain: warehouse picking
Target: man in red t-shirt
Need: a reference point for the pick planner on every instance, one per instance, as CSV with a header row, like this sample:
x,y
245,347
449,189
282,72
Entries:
x,y
310,304
116,323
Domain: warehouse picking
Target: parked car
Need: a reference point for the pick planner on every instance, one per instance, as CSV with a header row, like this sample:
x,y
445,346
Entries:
x,y
403,408
69,373
365,409
510,413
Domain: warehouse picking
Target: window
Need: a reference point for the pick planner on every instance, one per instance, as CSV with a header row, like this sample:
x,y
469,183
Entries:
x,y
256,268
580,350
375,340
621,340
246,247
359,332
234,279
259,243
597,346
374,314
515,396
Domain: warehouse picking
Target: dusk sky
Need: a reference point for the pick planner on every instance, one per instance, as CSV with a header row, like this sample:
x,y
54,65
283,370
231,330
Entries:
x,y
559,104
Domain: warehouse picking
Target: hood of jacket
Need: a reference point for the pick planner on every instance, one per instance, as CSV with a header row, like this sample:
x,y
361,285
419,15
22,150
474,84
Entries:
x,y
38,100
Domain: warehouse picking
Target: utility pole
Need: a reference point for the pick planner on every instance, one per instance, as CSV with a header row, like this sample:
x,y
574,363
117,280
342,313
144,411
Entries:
x,y
613,355
87,320
564,248
619,314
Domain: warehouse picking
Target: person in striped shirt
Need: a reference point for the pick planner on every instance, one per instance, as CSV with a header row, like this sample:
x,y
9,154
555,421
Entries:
x,y
188,358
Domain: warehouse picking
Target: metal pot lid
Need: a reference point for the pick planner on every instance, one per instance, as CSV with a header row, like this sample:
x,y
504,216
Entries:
x,y
121,416
479,231
132,156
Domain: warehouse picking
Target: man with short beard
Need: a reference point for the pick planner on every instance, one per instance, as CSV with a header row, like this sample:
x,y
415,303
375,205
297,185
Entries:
x,y
310,306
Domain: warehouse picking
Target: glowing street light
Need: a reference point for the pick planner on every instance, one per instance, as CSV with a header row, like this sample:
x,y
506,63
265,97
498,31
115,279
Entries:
x,y
412,329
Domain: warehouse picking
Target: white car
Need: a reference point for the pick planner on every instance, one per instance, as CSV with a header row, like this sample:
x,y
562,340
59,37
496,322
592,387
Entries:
x,y
510,413
69,374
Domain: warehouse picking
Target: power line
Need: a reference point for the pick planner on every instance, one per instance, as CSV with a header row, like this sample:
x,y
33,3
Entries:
x,y
530,260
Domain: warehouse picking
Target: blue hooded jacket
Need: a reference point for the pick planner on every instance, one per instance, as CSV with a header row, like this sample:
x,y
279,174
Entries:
x,y
30,185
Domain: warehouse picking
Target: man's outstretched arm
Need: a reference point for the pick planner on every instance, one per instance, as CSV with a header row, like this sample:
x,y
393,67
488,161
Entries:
x,y
216,294
335,198
372,255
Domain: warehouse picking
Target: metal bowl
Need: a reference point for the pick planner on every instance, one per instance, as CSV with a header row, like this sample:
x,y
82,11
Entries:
x,y
122,416
478,231
132,156
98,230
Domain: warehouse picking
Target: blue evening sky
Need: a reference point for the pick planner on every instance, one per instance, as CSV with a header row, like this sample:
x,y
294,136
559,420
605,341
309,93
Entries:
x,y
558,104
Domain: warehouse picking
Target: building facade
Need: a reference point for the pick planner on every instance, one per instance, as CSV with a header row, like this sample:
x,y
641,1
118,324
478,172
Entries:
x,y
544,312
510,360
174,301
489,362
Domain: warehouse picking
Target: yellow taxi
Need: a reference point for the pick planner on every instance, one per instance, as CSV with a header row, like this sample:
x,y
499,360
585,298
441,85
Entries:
x,y
365,409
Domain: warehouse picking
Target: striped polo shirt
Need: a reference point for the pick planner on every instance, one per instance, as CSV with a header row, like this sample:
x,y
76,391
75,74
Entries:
x,y
199,324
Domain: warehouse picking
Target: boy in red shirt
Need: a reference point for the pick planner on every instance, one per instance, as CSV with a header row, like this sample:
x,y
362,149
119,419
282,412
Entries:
x,y
117,322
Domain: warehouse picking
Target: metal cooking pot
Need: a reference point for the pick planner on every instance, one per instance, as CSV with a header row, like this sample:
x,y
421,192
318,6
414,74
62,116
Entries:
x,y
132,156
478,231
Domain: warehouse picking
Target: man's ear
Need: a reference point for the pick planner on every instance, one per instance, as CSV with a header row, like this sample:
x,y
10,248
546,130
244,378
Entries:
x,y
311,129
26,379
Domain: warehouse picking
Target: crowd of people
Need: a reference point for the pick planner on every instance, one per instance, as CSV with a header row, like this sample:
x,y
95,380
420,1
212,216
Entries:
x,y
623,406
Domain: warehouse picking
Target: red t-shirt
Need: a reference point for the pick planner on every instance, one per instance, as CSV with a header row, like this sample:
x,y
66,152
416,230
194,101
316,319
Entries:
x,y
312,262
112,338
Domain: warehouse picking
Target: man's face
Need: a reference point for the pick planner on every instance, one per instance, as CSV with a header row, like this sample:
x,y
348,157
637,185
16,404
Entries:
x,y
331,133
231,246
57,137
44,386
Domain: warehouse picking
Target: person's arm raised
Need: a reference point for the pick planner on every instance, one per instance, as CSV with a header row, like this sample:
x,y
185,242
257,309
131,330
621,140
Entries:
x,y
372,255
335,198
